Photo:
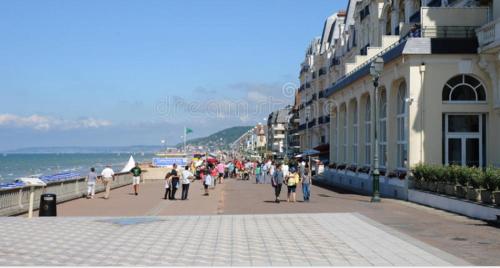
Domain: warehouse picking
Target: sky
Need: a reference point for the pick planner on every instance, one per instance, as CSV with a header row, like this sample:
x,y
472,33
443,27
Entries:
x,y
131,72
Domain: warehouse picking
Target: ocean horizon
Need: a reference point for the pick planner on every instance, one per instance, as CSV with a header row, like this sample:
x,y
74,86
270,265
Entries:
x,y
17,165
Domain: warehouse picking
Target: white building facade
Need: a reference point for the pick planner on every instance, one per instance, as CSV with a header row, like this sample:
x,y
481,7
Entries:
x,y
439,95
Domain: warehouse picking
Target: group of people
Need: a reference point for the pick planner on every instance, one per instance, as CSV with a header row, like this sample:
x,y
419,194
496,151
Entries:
x,y
281,173
174,179
107,177
268,172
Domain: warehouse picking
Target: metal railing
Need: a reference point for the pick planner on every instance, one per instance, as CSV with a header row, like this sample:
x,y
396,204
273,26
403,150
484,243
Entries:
x,y
487,34
15,201
449,32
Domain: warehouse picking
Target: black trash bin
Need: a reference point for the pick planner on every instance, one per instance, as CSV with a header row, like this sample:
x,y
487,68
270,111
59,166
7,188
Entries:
x,y
48,206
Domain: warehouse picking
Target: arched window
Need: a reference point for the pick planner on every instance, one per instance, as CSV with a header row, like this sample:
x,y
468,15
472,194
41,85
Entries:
x,y
355,127
402,126
368,131
383,128
464,88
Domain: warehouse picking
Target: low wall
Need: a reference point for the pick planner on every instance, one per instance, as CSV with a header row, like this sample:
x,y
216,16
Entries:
x,y
16,201
460,206
362,183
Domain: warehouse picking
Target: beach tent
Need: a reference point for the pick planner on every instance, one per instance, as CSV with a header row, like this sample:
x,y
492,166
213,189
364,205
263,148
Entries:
x,y
129,165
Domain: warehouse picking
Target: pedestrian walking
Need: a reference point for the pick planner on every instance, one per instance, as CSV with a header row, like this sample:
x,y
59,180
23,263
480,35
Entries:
x,y
231,170
136,178
286,169
187,177
306,183
91,181
272,169
291,181
257,173
108,176
174,182
168,186
220,169
277,182
207,182
214,173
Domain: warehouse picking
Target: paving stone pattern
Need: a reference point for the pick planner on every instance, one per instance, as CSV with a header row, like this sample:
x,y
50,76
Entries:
x,y
321,239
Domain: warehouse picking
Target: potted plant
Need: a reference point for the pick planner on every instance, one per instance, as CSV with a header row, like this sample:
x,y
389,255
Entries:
x,y
475,179
417,178
487,185
462,177
429,178
496,186
439,174
450,177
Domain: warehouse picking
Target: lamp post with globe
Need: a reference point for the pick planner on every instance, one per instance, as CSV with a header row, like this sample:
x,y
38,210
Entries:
x,y
376,69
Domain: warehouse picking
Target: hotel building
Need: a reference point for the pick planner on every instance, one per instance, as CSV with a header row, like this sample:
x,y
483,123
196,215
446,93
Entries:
x,y
438,99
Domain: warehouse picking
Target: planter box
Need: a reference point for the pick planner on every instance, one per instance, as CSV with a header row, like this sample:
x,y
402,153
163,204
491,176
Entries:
x,y
461,192
396,182
496,194
441,187
472,194
463,207
432,186
486,197
449,189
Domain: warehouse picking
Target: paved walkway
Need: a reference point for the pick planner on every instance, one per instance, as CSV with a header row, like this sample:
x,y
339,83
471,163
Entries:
x,y
239,240
472,240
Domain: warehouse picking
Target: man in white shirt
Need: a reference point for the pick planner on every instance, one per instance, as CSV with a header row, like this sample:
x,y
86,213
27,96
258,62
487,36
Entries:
x,y
285,170
108,175
186,178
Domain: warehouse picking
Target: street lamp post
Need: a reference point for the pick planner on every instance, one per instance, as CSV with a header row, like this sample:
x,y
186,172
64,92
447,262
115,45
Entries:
x,y
376,69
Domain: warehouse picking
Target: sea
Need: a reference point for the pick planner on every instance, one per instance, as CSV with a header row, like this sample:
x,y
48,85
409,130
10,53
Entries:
x,y
14,166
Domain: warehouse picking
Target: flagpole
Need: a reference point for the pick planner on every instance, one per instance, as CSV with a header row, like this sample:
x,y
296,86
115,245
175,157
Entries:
x,y
185,134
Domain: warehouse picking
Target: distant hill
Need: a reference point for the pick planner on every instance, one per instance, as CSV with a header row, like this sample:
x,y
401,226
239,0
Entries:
x,y
221,139
88,150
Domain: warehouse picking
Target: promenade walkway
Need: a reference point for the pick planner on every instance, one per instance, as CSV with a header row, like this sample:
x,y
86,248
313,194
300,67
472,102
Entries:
x,y
240,225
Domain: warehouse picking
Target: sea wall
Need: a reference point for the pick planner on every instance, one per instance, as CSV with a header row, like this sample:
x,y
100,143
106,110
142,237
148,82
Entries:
x,y
16,201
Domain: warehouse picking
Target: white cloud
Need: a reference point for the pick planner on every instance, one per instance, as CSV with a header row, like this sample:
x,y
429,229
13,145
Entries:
x,y
40,122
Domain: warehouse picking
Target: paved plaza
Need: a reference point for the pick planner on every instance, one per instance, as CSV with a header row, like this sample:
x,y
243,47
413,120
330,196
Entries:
x,y
238,224
238,240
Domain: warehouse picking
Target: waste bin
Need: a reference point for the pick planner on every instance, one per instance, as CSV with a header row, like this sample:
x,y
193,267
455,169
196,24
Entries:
x,y
48,206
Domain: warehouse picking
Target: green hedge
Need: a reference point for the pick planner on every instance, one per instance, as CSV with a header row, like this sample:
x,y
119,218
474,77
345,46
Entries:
x,y
487,178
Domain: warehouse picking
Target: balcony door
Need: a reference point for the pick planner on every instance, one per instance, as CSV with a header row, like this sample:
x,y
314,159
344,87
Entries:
x,y
464,140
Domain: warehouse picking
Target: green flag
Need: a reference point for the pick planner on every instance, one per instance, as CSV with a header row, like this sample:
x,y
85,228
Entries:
x,y
188,130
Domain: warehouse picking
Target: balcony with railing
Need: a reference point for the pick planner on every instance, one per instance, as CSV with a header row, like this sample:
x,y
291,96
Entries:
x,y
488,36
452,22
